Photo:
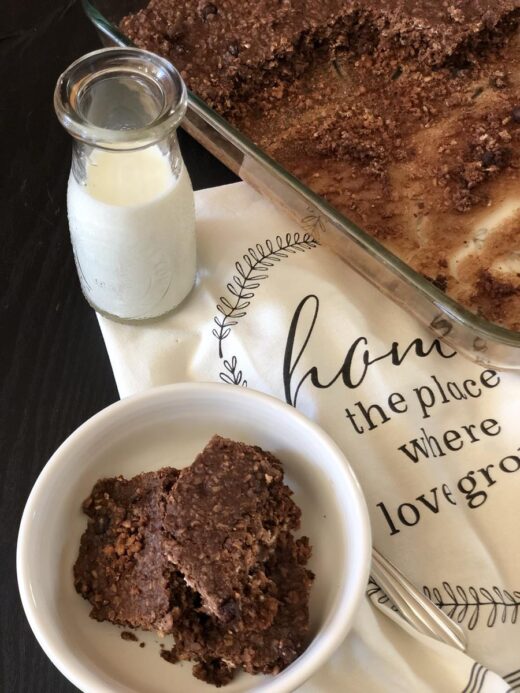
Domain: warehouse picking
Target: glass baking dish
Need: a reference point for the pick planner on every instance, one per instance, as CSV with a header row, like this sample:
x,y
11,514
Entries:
x,y
479,339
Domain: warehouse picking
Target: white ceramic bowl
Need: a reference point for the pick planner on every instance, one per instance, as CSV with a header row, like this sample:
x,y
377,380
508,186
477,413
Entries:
x,y
168,426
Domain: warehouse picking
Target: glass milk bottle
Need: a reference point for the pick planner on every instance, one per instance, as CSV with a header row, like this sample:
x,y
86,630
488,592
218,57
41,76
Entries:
x,y
130,201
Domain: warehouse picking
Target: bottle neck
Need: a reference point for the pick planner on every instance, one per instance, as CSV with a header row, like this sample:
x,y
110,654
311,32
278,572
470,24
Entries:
x,y
86,156
121,99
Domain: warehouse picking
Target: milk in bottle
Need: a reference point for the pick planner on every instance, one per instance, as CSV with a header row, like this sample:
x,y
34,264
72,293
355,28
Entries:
x,y
130,201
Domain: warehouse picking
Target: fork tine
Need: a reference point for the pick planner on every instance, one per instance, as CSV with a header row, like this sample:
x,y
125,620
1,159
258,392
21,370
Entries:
x,y
417,609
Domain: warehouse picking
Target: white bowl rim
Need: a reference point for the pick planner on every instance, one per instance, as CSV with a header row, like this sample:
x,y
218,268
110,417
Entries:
x,y
340,623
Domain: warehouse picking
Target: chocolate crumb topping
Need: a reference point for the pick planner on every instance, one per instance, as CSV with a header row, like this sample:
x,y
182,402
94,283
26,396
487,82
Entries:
x,y
126,635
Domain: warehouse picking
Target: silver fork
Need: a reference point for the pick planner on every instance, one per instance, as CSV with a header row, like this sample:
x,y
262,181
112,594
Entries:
x,y
417,609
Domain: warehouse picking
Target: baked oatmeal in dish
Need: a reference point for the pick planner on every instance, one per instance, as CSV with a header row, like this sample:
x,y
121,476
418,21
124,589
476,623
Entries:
x,y
122,568
205,555
224,519
403,114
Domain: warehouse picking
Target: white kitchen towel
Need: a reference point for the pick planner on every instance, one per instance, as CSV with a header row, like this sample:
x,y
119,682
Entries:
x,y
433,438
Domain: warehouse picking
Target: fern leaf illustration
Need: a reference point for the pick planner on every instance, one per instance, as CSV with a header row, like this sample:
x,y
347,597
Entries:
x,y
313,221
226,303
472,622
243,305
233,376
375,592
437,595
462,593
467,604
251,270
448,590
230,365
462,613
235,290
492,616
486,594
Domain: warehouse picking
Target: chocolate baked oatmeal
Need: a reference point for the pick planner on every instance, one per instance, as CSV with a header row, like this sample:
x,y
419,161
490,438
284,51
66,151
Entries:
x,y
403,115
122,568
205,555
218,650
224,519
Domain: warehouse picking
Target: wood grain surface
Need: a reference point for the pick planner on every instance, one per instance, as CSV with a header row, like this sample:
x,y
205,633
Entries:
x,y
55,370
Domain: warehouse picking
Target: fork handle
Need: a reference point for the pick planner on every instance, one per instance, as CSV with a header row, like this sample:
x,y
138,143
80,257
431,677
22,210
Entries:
x,y
417,609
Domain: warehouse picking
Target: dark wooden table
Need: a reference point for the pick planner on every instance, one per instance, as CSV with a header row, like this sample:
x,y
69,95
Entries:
x,y
56,371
